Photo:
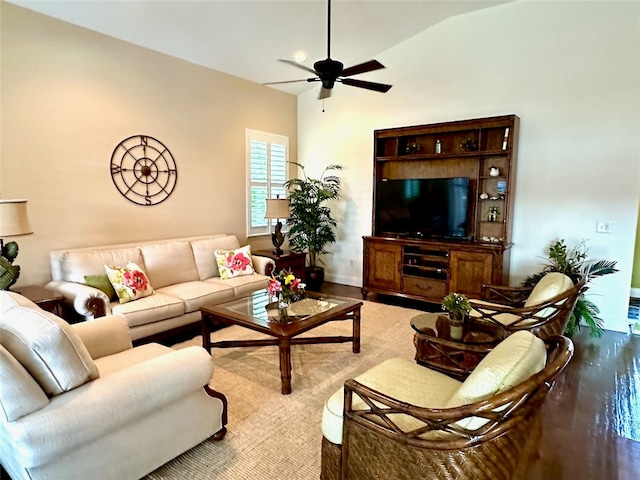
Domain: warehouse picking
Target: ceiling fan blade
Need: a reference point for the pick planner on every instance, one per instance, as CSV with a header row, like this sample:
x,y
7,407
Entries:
x,y
324,93
297,65
369,66
378,87
287,81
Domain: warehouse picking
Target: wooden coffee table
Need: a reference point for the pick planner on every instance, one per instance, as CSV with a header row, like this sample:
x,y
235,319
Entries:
x,y
251,312
457,358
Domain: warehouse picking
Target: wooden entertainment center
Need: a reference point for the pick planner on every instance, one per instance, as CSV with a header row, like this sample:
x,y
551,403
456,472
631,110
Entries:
x,y
482,150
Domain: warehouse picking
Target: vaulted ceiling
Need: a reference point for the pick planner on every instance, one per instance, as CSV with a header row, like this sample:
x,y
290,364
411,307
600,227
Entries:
x,y
245,38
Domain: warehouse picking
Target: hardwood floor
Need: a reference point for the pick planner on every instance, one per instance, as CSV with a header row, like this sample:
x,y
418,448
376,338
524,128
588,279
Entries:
x,y
591,419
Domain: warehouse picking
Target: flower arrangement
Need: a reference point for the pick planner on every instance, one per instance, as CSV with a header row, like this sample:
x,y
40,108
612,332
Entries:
x,y
456,304
285,286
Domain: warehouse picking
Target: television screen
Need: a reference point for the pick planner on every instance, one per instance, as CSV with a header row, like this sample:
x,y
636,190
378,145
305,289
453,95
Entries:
x,y
422,207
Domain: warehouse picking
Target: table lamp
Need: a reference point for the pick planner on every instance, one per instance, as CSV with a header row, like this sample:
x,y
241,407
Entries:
x,y
14,221
277,208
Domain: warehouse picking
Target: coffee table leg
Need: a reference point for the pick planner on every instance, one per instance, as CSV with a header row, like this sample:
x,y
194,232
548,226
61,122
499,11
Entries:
x,y
206,332
356,331
285,365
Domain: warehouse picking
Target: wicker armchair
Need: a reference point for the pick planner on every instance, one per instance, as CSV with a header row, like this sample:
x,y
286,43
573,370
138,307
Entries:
x,y
538,310
439,443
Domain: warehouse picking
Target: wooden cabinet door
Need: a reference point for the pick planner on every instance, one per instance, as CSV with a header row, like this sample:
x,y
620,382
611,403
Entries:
x,y
469,271
382,264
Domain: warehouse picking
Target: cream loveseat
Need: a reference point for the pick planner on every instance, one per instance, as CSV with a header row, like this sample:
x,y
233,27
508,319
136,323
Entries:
x,y
183,273
78,402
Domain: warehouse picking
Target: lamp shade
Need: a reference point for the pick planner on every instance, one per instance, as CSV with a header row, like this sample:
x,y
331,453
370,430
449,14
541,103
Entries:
x,y
14,220
277,208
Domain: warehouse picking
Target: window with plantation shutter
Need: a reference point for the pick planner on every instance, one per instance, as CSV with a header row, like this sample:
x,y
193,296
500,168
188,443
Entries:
x,y
267,156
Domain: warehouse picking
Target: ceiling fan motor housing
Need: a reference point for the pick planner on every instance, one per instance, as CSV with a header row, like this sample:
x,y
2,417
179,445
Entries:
x,y
328,70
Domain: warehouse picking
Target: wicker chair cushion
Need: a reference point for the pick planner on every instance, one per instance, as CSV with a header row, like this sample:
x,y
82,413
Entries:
x,y
552,284
513,361
398,378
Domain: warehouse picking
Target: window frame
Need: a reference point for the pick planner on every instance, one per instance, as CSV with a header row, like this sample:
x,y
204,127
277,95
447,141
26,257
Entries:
x,y
273,186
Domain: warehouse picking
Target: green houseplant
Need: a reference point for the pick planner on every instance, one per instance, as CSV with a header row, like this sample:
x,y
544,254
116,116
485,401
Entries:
x,y
573,263
456,304
311,225
458,307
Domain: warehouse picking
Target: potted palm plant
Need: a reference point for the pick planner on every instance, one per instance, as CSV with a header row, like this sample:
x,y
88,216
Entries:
x,y
311,227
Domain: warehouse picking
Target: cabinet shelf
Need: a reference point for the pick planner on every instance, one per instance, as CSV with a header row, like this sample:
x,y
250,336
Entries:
x,y
433,156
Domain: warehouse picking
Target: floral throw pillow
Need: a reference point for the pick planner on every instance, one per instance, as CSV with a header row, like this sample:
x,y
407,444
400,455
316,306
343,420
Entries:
x,y
129,282
234,263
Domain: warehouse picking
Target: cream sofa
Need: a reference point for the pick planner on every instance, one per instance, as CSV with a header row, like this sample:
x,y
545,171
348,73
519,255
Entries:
x,y
182,271
77,401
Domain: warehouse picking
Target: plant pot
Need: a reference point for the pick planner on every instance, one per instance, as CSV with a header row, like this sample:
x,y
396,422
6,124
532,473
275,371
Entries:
x,y
314,278
456,325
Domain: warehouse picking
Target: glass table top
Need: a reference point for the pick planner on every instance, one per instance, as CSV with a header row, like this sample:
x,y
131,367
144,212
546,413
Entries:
x,y
261,306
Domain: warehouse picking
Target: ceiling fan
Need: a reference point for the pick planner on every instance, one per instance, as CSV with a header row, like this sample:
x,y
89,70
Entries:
x,y
330,71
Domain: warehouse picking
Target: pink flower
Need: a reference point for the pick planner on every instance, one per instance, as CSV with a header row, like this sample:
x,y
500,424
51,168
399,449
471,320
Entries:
x,y
135,280
274,286
237,262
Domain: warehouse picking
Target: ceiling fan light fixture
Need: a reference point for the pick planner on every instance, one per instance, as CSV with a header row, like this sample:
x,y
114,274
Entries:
x,y
330,71
299,56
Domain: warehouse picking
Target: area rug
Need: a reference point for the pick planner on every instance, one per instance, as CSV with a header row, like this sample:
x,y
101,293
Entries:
x,y
277,437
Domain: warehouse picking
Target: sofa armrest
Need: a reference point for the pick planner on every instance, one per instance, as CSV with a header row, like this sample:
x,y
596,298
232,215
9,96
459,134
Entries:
x,y
263,265
97,408
104,336
87,301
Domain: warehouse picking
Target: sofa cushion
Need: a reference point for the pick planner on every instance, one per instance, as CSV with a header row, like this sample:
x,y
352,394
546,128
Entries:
x,y
400,379
48,348
196,294
204,252
149,309
234,263
130,282
244,285
75,265
20,394
10,300
514,360
168,263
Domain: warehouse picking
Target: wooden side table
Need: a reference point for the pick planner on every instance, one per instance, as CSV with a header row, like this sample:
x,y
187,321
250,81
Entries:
x,y
287,261
45,299
457,358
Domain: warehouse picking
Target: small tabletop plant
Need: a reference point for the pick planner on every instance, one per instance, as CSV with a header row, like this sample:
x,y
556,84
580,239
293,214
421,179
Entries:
x,y
456,304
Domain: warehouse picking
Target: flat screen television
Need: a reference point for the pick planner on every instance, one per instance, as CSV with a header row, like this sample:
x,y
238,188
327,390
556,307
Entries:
x,y
422,207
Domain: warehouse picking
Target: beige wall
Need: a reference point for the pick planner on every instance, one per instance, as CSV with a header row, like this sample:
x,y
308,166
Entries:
x,y
565,69
69,96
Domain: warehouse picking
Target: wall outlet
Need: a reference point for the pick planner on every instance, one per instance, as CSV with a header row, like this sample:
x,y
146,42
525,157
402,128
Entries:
x,y
603,227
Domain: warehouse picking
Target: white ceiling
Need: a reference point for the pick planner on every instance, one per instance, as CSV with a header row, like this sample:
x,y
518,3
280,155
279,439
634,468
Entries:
x,y
246,37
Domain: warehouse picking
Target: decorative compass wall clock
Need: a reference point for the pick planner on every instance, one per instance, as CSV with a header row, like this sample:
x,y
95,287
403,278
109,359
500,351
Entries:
x,y
143,170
